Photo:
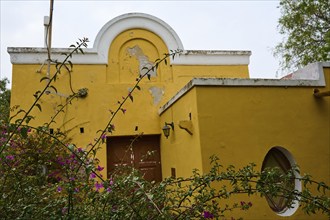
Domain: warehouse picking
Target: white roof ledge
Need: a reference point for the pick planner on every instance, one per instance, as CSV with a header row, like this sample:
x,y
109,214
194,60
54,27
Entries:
x,y
315,69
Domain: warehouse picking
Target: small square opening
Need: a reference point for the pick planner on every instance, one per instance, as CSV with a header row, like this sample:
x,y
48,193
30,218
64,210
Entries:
x,y
173,172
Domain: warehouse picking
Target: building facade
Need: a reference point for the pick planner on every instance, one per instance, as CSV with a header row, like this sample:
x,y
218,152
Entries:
x,y
205,98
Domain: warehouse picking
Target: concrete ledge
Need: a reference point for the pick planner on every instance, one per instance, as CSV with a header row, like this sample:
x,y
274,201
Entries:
x,y
233,82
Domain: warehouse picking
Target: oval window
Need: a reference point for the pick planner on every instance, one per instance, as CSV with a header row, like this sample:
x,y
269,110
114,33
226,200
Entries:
x,y
283,160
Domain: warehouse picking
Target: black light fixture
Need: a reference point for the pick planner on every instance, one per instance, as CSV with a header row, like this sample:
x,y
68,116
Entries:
x,y
167,128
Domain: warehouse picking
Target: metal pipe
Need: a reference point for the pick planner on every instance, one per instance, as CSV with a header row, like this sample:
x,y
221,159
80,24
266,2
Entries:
x,y
49,37
319,94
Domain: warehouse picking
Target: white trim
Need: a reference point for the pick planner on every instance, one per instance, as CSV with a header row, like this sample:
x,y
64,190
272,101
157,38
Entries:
x,y
38,55
135,20
222,82
213,57
99,53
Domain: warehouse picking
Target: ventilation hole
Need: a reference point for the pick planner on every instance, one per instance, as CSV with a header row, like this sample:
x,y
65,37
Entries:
x,y
51,131
82,130
136,128
173,173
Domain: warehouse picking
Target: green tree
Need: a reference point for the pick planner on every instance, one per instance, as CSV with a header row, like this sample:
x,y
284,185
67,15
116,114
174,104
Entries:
x,y
4,100
306,27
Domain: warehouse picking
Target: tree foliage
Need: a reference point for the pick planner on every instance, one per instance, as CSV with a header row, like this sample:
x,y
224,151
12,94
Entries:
x,y
305,25
4,100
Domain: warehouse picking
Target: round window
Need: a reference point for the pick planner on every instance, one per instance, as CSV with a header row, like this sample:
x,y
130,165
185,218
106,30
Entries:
x,y
283,160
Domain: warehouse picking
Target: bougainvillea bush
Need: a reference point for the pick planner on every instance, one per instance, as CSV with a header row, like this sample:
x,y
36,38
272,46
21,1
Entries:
x,y
45,177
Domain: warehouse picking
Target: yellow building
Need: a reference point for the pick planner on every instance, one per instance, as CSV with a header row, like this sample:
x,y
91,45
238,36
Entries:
x,y
204,98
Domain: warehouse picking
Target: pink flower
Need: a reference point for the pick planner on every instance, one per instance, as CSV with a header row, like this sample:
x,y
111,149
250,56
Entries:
x,y
10,157
64,210
92,176
99,168
207,214
98,186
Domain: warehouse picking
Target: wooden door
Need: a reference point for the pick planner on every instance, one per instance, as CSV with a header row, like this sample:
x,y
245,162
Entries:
x,y
142,153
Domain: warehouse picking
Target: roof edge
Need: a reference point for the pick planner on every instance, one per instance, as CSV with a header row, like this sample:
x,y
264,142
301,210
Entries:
x,y
239,82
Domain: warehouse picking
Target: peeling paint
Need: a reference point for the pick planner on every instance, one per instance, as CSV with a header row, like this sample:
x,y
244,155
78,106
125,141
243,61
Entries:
x,y
143,60
157,94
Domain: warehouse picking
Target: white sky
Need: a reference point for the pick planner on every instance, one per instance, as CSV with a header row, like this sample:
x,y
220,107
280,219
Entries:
x,y
201,25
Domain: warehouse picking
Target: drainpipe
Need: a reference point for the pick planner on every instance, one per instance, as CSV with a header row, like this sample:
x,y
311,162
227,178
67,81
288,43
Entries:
x,y
319,94
49,36
46,24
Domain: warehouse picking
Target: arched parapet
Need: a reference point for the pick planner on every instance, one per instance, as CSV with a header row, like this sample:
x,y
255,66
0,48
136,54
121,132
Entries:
x,y
134,21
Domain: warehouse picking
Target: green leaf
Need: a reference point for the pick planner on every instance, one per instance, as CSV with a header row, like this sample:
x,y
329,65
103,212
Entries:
x,y
131,97
38,106
66,67
21,110
36,94
99,131
71,147
24,131
138,87
53,87
70,63
43,78
28,119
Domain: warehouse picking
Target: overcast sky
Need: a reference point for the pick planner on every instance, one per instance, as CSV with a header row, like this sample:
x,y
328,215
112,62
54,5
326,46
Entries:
x,y
201,25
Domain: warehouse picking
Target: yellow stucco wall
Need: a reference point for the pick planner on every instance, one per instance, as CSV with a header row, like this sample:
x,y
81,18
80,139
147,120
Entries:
x,y
241,124
107,84
181,150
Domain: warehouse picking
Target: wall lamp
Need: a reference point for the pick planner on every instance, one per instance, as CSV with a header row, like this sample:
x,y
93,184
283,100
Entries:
x,y
167,129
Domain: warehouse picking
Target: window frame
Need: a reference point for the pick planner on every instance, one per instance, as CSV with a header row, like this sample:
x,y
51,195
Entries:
x,y
285,161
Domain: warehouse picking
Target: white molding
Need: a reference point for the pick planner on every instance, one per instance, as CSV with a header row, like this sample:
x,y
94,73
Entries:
x,y
238,82
38,55
135,20
99,53
213,57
